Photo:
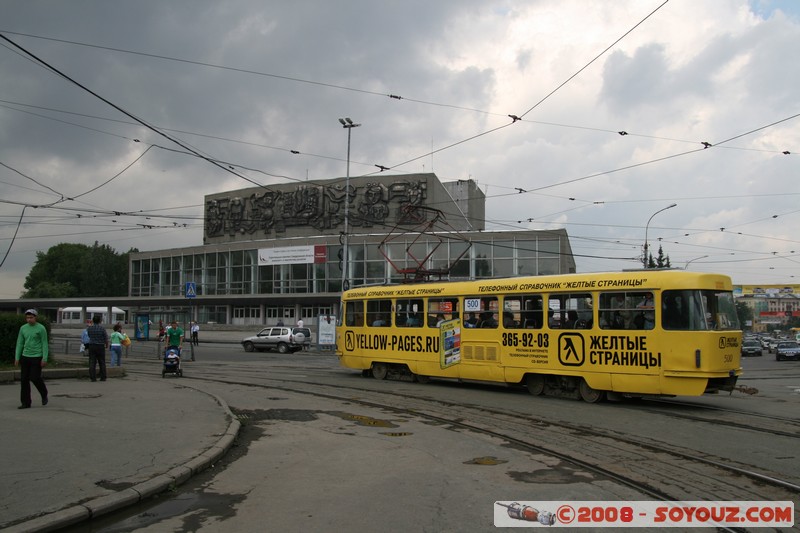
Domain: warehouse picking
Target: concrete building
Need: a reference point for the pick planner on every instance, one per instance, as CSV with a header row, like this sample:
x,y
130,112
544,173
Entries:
x,y
772,306
276,252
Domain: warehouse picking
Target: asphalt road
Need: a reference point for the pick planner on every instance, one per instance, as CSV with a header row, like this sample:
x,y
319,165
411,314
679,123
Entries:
x,y
305,463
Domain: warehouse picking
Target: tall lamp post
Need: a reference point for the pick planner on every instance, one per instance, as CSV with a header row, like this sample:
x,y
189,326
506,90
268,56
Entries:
x,y
347,124
692,260
647,227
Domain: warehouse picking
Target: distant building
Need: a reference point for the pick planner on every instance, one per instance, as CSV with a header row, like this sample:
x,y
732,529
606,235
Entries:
x,y
772,306
274,252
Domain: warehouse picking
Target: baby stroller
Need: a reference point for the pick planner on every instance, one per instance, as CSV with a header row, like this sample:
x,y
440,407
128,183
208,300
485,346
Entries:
x,y
172,362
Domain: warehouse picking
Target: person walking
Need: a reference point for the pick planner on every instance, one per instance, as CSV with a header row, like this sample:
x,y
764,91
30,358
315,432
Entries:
x,y
174,336
31,356
98,342
116,345
195,329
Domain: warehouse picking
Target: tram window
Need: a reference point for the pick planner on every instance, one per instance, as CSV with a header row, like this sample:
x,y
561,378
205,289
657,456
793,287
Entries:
x,y
698,310
441,310
627,310
524,311
570,311
354,314
484,309
471,320
379,313
408,313
675,310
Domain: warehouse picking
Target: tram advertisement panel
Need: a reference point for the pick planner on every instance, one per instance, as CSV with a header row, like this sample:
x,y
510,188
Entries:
x,y
451,343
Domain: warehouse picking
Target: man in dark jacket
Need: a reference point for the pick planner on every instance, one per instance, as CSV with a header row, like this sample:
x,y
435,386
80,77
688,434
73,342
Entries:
x,y
98,342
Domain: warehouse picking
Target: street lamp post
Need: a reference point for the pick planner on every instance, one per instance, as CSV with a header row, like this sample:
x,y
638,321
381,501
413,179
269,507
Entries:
x,y
348,125
647,227
692,260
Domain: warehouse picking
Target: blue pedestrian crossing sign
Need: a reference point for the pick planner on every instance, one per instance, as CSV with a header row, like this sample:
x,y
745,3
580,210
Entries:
x,y
191,289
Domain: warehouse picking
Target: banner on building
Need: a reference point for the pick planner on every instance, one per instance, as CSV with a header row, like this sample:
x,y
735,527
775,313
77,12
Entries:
x,y
292,255
769,291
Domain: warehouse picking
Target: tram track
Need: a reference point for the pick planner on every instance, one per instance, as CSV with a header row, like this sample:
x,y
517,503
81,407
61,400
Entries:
x,y
656,470
768,424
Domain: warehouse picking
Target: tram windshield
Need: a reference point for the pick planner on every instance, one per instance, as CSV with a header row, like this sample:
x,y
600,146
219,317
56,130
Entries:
x,y
698,310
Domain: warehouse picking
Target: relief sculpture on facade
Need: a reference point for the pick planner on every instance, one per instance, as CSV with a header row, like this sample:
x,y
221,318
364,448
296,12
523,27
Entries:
x,y
274,212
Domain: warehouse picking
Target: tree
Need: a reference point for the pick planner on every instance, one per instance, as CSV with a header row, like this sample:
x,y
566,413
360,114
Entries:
x,y
661,262
69,270
745,313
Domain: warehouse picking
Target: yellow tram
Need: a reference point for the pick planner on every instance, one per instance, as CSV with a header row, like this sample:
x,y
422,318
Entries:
x,y
630,333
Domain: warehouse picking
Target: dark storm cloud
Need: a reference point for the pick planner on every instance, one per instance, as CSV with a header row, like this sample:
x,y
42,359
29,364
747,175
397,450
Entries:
x,y
705,69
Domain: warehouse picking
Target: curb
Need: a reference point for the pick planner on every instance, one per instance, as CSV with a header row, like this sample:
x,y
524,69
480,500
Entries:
x,y
133,495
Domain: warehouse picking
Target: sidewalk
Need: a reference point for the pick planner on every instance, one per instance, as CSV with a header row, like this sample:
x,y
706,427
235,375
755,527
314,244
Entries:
x,y
97,447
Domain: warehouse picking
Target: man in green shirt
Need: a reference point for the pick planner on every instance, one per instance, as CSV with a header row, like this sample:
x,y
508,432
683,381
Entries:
x,y
175,336
31,355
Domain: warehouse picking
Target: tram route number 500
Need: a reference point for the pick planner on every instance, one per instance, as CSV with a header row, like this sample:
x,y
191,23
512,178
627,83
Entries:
x,y
540,340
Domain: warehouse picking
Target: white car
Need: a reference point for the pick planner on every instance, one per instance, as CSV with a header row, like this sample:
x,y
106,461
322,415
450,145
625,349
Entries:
x,y
281,338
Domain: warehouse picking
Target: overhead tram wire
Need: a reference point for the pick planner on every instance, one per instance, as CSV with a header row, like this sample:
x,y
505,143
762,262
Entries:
x,y
412,159
184,152
636,165
515,118
295,151
598,56
140,121
12,169
115,176
392,96
14,237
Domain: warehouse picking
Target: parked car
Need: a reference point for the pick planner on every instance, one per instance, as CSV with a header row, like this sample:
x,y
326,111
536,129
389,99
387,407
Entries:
x,y
281,338
787,350
751,347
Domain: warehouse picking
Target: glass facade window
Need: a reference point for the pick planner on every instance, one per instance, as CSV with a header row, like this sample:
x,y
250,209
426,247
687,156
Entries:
x,y
376,272
459,268
237,273
549,259
312,313
482,253
282,313
214,314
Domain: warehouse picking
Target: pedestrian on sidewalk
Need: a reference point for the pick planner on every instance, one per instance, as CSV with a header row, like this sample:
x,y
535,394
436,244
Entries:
x,y
31,355
175,336
116,345
98,342
195,332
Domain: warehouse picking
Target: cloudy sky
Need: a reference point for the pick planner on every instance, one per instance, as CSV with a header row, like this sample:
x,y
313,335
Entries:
x,y
706,92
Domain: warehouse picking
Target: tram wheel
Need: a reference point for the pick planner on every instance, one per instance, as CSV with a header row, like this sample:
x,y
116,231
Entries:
x,y
380,370
422,379
535,384
588,394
